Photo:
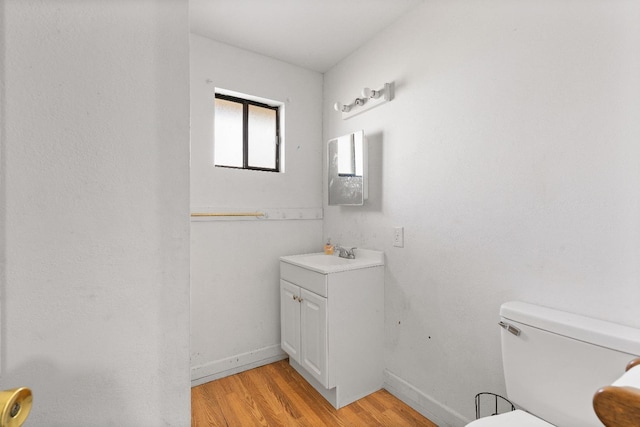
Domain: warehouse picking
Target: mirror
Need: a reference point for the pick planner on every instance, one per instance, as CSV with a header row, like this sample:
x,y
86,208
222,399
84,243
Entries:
x,y
347,170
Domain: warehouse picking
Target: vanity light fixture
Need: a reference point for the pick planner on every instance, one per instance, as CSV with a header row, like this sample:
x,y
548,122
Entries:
x,y
370,98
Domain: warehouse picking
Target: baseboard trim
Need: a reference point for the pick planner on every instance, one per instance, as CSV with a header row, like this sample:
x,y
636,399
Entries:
x,y
235,364
440,414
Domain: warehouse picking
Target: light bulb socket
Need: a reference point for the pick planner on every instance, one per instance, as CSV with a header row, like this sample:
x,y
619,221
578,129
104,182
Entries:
x,y
340,107
370,93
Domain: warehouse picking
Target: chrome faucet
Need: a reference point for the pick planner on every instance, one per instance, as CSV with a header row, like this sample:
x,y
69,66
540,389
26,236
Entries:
x,y
346,253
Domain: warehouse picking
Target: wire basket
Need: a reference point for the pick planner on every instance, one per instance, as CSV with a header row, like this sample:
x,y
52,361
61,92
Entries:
x,y
488,404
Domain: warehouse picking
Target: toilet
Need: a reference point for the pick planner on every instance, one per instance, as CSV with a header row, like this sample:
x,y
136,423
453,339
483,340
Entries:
x,y
554,362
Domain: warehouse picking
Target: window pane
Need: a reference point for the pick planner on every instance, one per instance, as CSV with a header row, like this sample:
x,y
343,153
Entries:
x,y
262,137
227,144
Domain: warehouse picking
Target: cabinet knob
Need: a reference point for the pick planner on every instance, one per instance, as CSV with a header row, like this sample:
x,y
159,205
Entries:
x,y
295,297
299,299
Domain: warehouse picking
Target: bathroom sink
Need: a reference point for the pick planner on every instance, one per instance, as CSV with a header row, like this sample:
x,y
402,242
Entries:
x,y
326,264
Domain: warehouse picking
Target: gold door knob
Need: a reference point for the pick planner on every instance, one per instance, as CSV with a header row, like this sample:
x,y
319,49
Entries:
x,y
15,406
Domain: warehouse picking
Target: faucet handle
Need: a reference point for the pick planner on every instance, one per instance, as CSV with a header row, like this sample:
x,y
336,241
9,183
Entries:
x,y
343,252
350,254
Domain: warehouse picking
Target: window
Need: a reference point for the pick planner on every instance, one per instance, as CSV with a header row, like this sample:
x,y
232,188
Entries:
x,y
247,134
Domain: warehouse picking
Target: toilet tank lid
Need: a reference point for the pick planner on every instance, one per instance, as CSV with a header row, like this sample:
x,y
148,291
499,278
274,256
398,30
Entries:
x,y
598,332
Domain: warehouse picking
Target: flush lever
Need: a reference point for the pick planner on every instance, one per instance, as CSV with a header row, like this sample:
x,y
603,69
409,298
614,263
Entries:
x,y
515,331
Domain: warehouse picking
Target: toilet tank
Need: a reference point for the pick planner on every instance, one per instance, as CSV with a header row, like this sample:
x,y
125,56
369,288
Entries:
x,y
559,360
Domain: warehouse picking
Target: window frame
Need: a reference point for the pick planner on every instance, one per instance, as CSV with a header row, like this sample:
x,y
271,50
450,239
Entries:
x,y
245,132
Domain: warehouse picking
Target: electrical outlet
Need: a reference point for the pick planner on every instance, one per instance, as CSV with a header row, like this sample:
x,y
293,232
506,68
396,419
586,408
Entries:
x,y
398,237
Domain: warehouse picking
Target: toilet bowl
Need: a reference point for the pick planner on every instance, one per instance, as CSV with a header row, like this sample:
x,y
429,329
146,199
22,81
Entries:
x,y
517,418
554,362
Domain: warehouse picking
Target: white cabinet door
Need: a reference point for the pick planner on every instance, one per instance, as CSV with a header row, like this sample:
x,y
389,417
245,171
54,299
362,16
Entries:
x,y
313,348
290,319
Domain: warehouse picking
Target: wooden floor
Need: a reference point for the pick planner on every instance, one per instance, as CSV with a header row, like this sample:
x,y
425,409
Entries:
x,y
276,395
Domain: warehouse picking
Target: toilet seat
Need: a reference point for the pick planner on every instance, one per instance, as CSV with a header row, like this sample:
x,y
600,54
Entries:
x,y
517,418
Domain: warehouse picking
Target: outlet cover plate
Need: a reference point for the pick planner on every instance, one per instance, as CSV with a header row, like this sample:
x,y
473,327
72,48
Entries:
x,y
398,237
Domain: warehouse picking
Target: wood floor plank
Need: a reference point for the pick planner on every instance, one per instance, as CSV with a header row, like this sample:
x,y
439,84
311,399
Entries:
x,y
271,402
209,413
212,396
315,409
397,410
310,405
275,395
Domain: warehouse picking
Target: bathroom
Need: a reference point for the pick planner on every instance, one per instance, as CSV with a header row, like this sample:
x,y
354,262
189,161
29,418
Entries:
x,y
500,155
509,154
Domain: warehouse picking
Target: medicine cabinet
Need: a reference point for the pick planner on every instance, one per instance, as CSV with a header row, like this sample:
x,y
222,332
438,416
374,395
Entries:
x,y
347,169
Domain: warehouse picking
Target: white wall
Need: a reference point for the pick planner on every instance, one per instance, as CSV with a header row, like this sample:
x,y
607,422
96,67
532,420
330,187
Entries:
x,y
94,210
235,311
511,157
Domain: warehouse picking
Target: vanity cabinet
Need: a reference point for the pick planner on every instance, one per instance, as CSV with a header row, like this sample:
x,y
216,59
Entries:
x,y
332,326
304,329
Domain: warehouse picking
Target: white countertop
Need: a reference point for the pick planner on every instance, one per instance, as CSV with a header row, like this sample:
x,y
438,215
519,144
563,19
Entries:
x,y
326,264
